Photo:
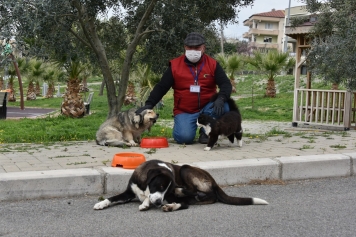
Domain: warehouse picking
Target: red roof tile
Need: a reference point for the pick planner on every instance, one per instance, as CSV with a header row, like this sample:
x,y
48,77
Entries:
x,y
275,13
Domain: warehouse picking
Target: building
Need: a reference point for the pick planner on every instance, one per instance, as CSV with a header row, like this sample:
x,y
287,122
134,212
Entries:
x,y
266,30
299,11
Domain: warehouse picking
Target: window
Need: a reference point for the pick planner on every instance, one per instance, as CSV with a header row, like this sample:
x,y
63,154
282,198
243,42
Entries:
x,y
267,39
268,26
313,19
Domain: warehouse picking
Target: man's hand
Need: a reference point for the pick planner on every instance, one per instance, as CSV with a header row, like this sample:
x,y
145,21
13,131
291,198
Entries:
x,y
138,111
218,106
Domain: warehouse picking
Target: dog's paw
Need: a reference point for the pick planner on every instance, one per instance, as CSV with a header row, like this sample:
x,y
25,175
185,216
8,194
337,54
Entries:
x,y
143,207
171,207
239,143
132,143
207,148
178,192
101,205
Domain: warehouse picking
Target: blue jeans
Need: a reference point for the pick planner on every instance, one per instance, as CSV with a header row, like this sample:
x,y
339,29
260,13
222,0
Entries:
x,y
185,125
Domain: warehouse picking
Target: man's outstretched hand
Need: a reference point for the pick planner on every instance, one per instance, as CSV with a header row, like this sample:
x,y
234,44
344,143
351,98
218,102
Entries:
x,y
218,106
139,110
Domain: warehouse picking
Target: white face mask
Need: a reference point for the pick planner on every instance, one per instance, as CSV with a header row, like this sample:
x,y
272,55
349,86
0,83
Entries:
x,y
193,55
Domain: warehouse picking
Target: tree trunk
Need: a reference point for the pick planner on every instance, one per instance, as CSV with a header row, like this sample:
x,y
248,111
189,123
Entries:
x,y
131,49
22,106
38,89
130,97
84,85
73,104
271,89
113,102
10,86
31,93
233,84
1,83
88,26
334,86
102,86
50,90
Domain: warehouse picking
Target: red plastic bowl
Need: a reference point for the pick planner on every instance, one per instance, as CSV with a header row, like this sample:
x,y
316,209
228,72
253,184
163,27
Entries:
x,y
154,142
128,160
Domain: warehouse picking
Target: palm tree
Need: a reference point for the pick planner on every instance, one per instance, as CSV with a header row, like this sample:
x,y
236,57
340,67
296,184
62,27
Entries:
x,y
234,63
10,85
271,64
1,83
73,104
49,77
222,59
146,80
86,73
231,64
35,73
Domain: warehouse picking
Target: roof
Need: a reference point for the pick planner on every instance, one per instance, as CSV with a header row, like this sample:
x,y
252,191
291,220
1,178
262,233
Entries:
x,y
273,13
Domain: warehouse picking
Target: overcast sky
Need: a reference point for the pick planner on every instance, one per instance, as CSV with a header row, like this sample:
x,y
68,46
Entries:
x,y
236,30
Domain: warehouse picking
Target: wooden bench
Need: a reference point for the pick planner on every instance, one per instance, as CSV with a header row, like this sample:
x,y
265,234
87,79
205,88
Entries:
x,y
3,108
87,103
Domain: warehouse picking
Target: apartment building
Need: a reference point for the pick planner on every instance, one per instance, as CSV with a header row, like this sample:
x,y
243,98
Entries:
x,y
266,30
298,11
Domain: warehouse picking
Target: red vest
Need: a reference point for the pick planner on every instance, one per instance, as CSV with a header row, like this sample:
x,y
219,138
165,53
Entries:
x,y
184,100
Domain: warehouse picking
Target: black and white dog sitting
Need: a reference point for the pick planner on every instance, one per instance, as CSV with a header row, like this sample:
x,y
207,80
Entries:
x,y
229,125
173,187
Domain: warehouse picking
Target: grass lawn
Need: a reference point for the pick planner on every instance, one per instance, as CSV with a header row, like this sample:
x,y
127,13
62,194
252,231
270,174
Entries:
x,y
53,128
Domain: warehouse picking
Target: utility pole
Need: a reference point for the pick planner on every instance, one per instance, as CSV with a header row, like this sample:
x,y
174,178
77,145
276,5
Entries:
x,y
222,37
287,24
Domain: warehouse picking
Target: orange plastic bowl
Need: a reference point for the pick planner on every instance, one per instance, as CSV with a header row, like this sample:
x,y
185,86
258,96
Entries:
x,y
128,160
154,142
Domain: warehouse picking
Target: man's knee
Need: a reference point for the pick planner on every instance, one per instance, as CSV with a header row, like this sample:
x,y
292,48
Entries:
x,y
184,137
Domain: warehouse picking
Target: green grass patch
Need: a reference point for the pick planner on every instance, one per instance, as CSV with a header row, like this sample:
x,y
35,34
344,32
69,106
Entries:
x,y
53,128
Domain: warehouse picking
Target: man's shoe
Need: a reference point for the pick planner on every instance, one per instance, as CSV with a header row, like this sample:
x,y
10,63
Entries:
x,y
203,138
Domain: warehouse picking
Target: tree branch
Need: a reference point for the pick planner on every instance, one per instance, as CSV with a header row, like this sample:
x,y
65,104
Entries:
x,y
79,38
81,16
139,32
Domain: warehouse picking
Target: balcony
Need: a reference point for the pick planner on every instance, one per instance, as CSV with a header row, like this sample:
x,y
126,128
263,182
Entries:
x,y
246,35
264,45
263,32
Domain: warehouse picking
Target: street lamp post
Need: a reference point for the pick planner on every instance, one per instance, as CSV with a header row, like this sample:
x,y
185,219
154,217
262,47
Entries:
x,y
287,24
8,53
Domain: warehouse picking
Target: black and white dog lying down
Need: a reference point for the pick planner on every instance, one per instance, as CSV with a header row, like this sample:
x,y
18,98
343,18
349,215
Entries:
x,y
173,187
229,125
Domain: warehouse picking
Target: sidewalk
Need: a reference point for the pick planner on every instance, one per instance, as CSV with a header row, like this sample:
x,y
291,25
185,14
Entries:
x,y
16,112
77,168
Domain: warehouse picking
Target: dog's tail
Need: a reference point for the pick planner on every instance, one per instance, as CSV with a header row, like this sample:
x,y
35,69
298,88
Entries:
x,y
230,101
224,198
232,105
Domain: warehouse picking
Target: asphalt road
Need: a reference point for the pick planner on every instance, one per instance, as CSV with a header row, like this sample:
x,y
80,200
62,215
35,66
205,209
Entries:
x,y
324,207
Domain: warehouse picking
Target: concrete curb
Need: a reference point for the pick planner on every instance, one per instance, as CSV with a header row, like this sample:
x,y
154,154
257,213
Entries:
x,y
48,184
103,180
241,171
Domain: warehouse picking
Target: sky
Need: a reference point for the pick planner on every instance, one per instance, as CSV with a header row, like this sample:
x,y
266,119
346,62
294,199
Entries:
x,y
237,30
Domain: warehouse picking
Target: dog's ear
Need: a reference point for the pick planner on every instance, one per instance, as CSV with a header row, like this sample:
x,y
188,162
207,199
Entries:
x,y
153,173
159,171
137,120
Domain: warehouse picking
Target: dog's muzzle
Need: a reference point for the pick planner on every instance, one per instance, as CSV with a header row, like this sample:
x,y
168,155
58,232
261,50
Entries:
x,y
154,120
158,203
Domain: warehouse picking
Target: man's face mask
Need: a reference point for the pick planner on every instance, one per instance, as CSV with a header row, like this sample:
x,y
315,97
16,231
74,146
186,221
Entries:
x,y
193,55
